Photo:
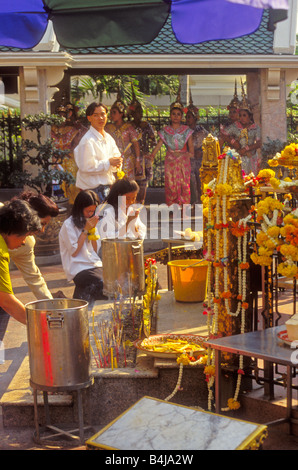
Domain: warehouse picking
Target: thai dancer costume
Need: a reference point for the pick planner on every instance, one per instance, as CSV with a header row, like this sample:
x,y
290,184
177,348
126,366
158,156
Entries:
x,y
177,169
124,136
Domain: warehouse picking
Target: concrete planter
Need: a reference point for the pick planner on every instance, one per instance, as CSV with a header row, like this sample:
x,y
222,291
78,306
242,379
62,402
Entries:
x,y
47,243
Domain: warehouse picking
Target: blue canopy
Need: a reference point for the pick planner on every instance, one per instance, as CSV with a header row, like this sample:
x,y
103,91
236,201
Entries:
x,y
94,23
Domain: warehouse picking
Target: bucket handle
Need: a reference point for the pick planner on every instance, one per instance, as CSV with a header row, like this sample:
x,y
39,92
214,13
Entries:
x,y
191,265
55,322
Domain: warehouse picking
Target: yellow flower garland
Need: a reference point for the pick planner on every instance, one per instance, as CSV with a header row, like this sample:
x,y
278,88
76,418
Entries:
x,y
219,191
120,174
92,234
273,237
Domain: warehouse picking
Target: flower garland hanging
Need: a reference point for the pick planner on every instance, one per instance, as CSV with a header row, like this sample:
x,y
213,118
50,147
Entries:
x,y
289,250
265,177
120,174
93,234
269,215
288,157
221,191
277,233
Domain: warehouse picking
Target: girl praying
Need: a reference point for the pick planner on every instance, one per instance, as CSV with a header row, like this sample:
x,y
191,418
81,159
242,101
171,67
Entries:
x,y
79,245
121,218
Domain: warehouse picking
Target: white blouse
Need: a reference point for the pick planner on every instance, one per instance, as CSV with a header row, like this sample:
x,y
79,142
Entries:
x,y
68,241
109,227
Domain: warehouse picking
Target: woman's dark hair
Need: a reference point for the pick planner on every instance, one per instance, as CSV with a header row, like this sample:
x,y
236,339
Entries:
x,y
120,188
177,108
84,199
250,114
43,205
17,217
92,106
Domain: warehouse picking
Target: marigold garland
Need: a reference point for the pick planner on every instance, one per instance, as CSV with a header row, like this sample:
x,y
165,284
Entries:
x,y
93,234
285,157
120,174
277,233
221,191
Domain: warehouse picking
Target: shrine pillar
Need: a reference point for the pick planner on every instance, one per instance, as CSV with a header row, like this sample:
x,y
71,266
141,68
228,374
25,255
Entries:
x,y
273,104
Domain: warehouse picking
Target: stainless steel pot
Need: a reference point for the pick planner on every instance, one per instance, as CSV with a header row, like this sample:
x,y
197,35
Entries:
x,y
58,343
123,266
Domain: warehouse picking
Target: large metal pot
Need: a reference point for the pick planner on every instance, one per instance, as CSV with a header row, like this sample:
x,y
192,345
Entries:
x,y
123,266
58,342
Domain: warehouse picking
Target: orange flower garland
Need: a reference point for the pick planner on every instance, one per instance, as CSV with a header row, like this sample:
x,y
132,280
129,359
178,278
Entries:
x,y
221,190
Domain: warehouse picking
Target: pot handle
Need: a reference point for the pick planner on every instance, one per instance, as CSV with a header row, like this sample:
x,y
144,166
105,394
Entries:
x,y
55,322
136,249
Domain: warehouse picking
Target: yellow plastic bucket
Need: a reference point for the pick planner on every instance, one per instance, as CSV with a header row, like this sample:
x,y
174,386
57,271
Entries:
x,y
189,284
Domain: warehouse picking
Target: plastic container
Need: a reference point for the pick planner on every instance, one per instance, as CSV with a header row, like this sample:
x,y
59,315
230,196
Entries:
x,y
189,284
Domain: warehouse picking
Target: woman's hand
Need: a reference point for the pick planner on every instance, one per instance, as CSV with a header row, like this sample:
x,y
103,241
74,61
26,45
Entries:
x,y
130,218
133,216
245,151
176,153
234,143
138,167
91,223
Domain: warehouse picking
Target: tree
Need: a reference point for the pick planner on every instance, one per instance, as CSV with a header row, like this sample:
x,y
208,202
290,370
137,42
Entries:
x,y
98,85
42,153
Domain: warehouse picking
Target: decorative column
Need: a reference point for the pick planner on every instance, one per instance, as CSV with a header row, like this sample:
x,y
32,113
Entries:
x,y
273,104
37,86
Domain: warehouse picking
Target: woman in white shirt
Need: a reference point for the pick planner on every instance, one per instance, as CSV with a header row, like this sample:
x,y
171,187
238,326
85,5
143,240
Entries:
x,y
121,218
79,245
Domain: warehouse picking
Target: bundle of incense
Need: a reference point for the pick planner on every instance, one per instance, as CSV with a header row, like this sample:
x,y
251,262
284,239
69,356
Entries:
x,y
109,343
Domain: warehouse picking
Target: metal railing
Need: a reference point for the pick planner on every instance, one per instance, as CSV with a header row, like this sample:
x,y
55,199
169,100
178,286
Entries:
x,y
10,142
10,139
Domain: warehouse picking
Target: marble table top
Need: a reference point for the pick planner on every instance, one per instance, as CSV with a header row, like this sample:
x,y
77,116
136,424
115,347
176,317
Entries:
x,y
152,424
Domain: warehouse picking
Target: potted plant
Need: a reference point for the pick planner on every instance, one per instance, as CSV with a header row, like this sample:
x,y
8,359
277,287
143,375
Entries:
x,y
47,174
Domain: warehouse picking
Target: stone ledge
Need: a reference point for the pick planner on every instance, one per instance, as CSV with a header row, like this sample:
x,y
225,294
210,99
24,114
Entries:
x,y
144,368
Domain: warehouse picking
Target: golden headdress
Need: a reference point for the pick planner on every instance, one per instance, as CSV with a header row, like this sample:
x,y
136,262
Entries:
x,y
245,104
177,103
119,103
235,102
134,104
191,108
61,108
65,106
